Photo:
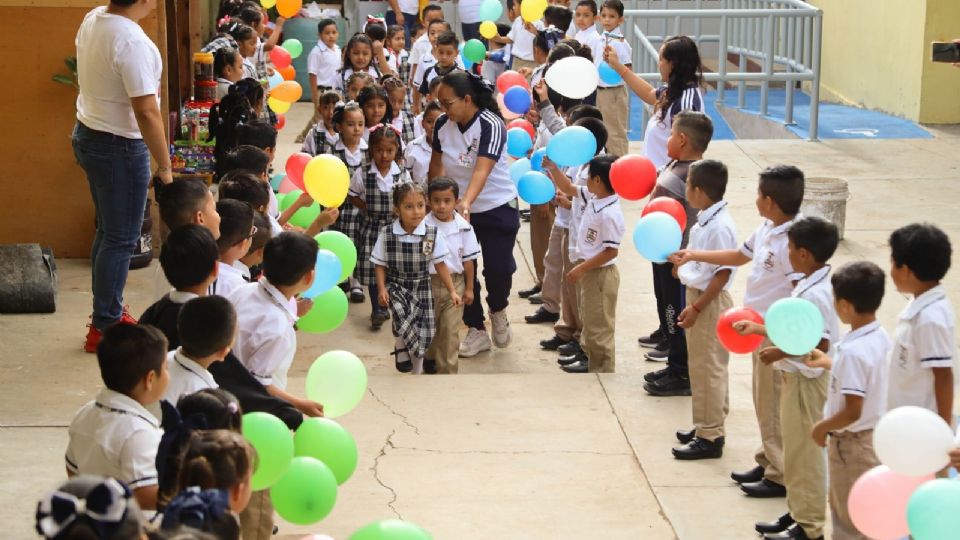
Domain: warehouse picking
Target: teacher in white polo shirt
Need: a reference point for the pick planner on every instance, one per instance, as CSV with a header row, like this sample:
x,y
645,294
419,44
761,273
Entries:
x,y
119,126
468,146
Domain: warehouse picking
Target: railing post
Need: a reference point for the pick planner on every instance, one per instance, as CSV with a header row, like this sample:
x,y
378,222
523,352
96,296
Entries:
x,y
767,64
722,61
789,54
814,134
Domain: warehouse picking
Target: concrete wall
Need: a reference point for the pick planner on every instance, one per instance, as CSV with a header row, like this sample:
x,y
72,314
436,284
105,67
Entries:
x,y
940,87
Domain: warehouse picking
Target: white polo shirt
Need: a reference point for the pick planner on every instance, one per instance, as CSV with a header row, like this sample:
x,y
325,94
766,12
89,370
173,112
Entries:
x,y
483,136
266,341
860,369
243,269
379,255
229,279
420,47
416,158
714,230
427,68
591,38
353,158
658,131
396,175
522,39
771,275
325,62
186,376
624,53
923,340
310,139
578,176
815,288
601,225
116,436
461,241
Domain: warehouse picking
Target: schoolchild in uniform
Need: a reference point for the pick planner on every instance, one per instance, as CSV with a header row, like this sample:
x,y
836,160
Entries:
x,y
612,99
236,232
323,135
324,61
417,154
444,60
402,118
207,327
352,151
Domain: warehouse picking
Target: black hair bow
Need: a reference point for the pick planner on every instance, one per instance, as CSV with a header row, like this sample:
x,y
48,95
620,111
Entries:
x,y
195,508
104,509
176,430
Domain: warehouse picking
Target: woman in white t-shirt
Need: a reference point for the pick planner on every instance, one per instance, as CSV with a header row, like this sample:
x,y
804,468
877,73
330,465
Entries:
x,y
119,126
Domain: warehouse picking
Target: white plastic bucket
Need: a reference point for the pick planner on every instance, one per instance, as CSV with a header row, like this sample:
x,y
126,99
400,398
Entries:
x,y
826,198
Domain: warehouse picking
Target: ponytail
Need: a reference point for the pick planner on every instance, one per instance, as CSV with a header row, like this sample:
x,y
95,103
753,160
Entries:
x,y
233,111
216,459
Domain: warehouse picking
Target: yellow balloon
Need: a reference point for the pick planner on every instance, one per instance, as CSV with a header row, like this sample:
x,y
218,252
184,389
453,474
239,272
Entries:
x,y
532,10
327,180
289,91
488,29
268,3
289,8
278,106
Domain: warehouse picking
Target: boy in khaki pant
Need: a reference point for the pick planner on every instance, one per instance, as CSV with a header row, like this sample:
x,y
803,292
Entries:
x,y
707,299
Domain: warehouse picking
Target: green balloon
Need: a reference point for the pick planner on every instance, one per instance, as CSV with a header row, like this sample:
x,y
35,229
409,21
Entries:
x,y
338,381
391,529
271,438
475,51
287,199
328,312
341,246
306,493
795,325
932,511
305,216
329,442
293,46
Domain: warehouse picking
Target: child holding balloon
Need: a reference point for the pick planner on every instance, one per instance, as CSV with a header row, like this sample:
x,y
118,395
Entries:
x,y
348,119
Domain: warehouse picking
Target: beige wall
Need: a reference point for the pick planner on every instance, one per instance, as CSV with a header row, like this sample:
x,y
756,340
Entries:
x,y
940,91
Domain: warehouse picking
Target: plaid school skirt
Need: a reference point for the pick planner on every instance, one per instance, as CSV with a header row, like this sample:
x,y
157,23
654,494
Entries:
x,y
411,310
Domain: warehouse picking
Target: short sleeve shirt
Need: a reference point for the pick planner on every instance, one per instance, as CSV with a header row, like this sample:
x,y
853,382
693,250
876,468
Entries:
x,y
713,231
816,289
771,275
379,255
417,157
266,341
186,377
228,280
385,183
624,53
325,62
601,225
461,241
658,131
859,369
522,39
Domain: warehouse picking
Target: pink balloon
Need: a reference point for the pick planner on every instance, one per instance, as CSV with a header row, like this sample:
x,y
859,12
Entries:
x,y
507,113
878,502
296,163
287,185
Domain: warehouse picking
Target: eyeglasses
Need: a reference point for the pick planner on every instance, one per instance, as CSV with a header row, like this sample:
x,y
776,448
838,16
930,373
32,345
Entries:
x,y
253,232
447,104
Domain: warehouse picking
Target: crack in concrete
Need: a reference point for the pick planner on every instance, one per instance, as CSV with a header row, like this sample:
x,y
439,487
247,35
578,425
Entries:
x,y
403,418
511,452
376,474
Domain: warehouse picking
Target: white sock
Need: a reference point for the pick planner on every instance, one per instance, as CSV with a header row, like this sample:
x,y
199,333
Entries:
x,y
355,283
417,365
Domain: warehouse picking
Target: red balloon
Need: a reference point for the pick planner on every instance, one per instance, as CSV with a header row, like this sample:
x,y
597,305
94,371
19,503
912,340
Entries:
x,y
508,79
633,177
669,206
281,121
524,125
280,57
730,338
296,163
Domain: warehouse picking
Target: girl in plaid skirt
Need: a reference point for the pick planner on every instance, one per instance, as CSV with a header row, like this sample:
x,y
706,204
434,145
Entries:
x,y
403,254
352,150
376,107
402,118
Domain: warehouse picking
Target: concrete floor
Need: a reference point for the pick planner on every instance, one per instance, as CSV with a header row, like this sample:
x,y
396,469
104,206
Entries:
x,y
511,448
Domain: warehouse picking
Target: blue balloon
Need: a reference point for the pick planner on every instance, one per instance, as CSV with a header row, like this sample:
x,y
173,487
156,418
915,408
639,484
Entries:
x,y
467,63
608,75
794,325
274,80
327,274
519,168
490,10
518,142
657,236
276,181
536,188
572,146
536,159
517,100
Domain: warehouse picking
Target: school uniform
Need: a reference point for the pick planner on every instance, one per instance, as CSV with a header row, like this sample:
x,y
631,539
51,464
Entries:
x,y
613,100
266,341
555,290
418,125
186,376
243,269
708,360
346,72
522,50
319,140
325,62
406,125
658,129
416,158
228,280
376,190
462,247
223,87
859,369
163,315
430,70
349,221
115,436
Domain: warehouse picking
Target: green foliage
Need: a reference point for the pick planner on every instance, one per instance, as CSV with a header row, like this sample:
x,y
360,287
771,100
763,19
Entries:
x,y
71,79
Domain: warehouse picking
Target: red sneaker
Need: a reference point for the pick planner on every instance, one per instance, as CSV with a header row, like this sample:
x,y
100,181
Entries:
x,y
125,317
93,339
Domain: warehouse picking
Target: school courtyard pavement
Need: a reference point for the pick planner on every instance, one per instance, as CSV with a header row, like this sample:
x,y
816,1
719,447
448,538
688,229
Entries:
x,y
511,447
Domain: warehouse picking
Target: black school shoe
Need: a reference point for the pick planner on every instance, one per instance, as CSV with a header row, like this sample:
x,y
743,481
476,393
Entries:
x,y
357,296
753,475
764,489
700,448
552,344
686,436
670,385
429,366
659,353
656,375
527,293
572,359
795,532
542,316
569,348
780,524
405,366
651,340
579,367
377,318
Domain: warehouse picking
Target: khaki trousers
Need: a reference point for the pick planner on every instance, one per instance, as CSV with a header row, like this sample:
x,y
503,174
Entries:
x,y
519,63
256,520
850,454
570,324
766,402
446,341
598,304
614,104
552,284
804,464
708,361
541,221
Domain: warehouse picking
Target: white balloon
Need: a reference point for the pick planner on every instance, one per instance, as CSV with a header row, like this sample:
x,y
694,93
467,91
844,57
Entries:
x,y
913,441
574,77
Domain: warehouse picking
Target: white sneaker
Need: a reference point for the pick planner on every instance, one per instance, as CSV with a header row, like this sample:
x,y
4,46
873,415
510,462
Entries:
x,y
474,343
501,329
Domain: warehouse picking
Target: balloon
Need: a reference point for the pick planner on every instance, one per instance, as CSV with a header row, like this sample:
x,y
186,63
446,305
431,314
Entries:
x,y
490,11
274,80
572,146
933,512
574,77
507,113
286,186
268,3
281,121
288,8
657,236
670,206
327,441
338,381
276,180
527,126
518,142
794,325
270,437
532,10
474,50
608,75
634,177
467,63
327,180
536,188
287,199
280,57
878,502
519,168
306,493
341,246
517,99
536,159
730,338
508,79
294,167
306,215
293,46
289,91
327,274
328,312
912,440
278,106
288,73
488,29
391,529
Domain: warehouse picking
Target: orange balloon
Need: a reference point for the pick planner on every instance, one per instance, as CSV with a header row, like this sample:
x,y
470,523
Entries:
x,y
288,73
288,91
289,8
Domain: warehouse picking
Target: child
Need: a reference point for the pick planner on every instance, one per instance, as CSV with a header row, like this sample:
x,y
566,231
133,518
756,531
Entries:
x,y
325,61
266,340
247,42
419,152
779,195
376,108
322,137
85,506
403,253
496,62
689,138
115,434
370,192
421,44
253,16
377,32
228,69
357,82
245,186
207,327
598,243
520,38
256,161
402,118
236,231
357,58
254,256
858,381
352,150
585,19
418,130
921,364
707,298
189,262
260,134
612,99
234,110
445,53
395,52
462,253
428,59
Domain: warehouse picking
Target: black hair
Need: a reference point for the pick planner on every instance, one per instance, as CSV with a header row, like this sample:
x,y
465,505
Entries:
x,y
686,70
923,248
432,106
242,32
589,4
258,133
129,352
466,84
84,526
263,233
124,3
511,3
783,184
206,325
251,16
219,408
223,57
615,5
557,16
394,29
225,118
698,128
179,201
443,183
547,39
236,222
358,38
429,8
816,235
449,27
401,190
228,8
448,38
600,167
330,97
561,51
433,84
370,93
375,31
417,27
503,29
583,110
189,256
341,110
245,186
323,24
710,176
216,459
598,130
861,283
391,83
248,158
288,257
385,133
358,75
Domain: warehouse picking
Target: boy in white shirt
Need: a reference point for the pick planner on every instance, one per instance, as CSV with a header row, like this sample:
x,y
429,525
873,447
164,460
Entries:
x,y
613,100
325,61
463,249
417,154
520,38
420,48
207,327
236,232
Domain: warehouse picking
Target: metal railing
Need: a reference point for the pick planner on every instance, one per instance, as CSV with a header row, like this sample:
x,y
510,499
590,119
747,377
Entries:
x,y
783,36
